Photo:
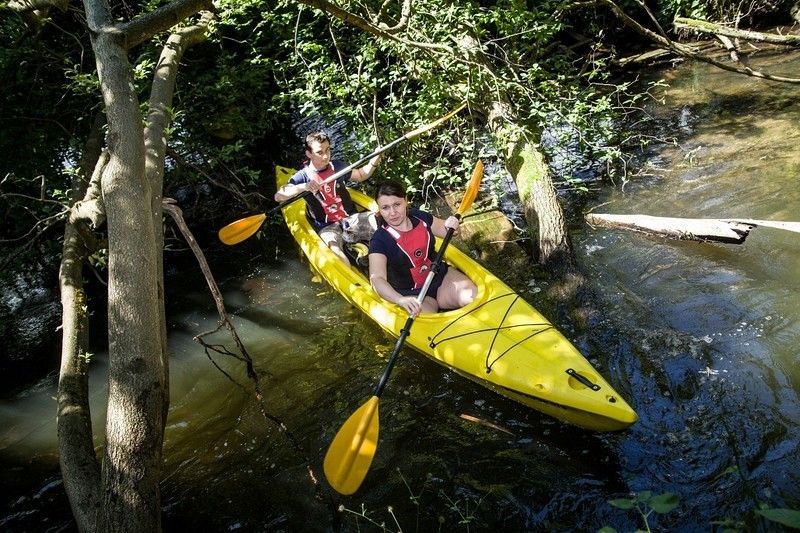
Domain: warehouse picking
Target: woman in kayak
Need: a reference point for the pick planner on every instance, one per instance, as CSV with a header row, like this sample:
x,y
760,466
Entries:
x,y
401,253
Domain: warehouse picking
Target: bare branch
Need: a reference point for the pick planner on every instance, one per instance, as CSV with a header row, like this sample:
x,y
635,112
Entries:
x,y
718,29
678,48
143,28
405,16
92,207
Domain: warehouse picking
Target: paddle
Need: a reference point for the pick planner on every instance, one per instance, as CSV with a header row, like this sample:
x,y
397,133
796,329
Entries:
x,y
237,231
352,449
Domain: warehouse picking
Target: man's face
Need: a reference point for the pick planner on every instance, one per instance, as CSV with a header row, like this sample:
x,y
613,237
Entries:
x,y
319,155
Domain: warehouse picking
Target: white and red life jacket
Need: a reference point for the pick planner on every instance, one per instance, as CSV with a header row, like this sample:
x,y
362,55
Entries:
x,y
415,244
328,196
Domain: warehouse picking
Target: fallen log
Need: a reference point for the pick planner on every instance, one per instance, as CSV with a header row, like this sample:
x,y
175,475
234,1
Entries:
x,y
731,231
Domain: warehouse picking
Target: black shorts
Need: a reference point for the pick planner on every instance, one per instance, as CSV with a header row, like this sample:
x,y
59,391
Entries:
x,y
435,284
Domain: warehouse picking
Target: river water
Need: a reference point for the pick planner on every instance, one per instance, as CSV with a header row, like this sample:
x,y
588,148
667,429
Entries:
x,y
700,338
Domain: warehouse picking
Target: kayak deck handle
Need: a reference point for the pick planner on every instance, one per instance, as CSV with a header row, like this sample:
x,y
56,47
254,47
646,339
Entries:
x,y
583,379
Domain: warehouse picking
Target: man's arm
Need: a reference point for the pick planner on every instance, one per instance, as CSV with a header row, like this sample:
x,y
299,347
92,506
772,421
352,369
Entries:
x,y
363,173
290,190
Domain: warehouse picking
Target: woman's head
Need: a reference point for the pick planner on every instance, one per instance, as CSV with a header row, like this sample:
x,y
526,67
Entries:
x,y
390,188
392,203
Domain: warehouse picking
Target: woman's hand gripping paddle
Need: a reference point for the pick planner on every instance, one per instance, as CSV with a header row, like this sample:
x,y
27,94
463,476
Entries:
x,y
242,229
350,454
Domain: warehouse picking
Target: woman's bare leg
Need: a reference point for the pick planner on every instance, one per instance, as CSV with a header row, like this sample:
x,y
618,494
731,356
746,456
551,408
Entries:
x,y
457,290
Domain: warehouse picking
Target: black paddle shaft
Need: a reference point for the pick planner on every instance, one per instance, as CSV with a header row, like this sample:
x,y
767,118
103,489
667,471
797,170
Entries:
x,y
437,262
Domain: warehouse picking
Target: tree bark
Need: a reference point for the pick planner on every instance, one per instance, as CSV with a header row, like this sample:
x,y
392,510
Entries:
x,y
124,494
704,26
158,119
727,230
695,229
136,387
79,467
527,166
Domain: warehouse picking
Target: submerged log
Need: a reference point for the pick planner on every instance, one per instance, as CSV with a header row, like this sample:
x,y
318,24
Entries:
x,y
731,231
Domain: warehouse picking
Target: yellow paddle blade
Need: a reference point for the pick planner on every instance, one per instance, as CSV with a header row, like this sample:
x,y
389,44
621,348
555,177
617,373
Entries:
x,y
472,188
351,452
236,232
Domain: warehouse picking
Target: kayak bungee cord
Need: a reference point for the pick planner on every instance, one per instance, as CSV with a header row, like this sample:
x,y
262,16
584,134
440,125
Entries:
x,y
488,365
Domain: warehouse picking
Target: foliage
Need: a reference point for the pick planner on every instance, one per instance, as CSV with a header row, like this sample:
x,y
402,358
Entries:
x,y
645,503
381,87
786,517
448,513
43,123
732,11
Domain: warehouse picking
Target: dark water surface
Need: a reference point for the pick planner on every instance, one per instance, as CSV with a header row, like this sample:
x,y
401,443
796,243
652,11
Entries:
x,y
700,338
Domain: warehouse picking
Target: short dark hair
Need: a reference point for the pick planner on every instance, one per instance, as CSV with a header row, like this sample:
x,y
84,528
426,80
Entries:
x,y
391,188
316,136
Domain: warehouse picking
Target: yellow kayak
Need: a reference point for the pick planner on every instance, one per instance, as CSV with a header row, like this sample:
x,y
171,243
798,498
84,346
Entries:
x,y
499,340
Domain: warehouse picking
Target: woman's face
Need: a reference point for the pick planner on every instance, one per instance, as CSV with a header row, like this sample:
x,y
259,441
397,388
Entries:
x,y
392,209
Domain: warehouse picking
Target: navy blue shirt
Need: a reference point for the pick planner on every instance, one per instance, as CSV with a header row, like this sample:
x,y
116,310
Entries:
x,y
397,263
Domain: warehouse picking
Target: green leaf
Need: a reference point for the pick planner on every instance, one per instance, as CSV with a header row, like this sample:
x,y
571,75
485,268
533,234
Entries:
x,y
787,517
623,503
606,529
664,503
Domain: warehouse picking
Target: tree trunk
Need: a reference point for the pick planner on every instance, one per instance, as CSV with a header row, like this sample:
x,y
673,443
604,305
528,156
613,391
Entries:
x,y
79,467
731,231
136,387
158,119
527,166
703,26
124,494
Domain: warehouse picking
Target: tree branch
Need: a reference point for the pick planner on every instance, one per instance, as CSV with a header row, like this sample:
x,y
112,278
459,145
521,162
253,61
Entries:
x,y
405,16
91,208
24,6
143,28
367,26
680,49
703,26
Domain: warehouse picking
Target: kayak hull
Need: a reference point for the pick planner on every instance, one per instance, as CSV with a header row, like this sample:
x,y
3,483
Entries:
x,y
499,340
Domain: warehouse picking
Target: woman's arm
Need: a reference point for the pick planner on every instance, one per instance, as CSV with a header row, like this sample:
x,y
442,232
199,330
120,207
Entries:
x,y
377,278
439,226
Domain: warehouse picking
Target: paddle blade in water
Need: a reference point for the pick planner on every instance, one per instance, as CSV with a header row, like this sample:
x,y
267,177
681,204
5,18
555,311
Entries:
x,y
350,454
236,232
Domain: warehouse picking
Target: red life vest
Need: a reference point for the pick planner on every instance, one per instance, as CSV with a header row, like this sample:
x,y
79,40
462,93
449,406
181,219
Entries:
x,y
415,244
328,195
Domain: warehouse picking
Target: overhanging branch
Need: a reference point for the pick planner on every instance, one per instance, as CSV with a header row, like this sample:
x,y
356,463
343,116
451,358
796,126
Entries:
x,y
143,28
24,6
367,26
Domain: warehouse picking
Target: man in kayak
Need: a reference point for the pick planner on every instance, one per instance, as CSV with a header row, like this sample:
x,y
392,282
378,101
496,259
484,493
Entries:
x,y
401,253
329,206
